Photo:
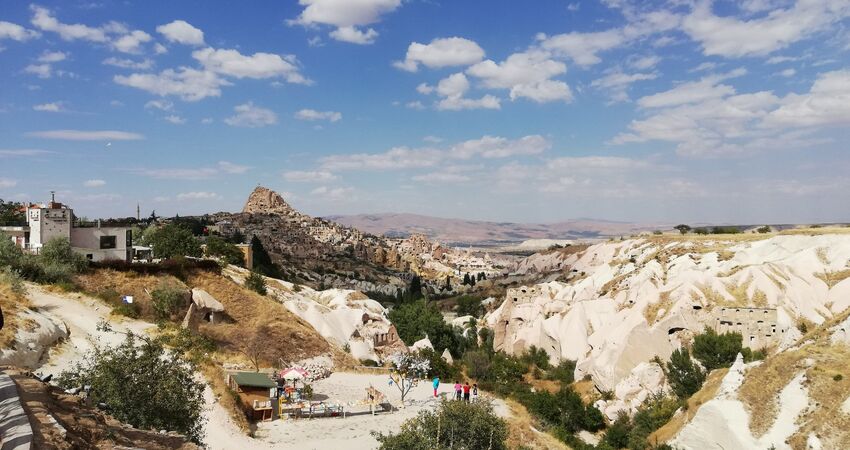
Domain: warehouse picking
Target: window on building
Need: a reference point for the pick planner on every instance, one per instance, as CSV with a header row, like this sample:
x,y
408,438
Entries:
x,y
107,242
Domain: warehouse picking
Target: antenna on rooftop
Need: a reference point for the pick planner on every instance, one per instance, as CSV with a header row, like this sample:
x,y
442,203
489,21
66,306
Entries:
x,y
52,196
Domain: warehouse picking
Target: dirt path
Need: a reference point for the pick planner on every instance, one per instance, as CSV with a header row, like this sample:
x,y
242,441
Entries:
x,y
82,314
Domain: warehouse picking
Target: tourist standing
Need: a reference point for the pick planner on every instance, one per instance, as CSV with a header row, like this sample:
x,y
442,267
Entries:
x,y
466,392
475,391
458,390
436,385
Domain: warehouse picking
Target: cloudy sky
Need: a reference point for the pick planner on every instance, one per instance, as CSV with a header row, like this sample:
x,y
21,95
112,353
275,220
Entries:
x,y
487,109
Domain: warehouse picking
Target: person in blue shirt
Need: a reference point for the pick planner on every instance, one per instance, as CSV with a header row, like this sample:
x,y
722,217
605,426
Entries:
x,y
436,385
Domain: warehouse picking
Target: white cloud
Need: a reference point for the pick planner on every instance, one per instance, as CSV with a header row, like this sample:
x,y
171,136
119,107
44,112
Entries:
x,y
181,32
730,124
115,34
49,107
39,70
416,104
162,105
354,36
527,74
201,195
198,173
44,20
187,83
582,48
442,178
433,139
443,52
174,119
81,135
788,73
317,176
329,193
691,92
453,89
312,114
159,49
251,116
781,59
52,57
617,83
487,147
229,167
15,32
346,16
8,183
644,62
144,64
826,104
207,120
732,38
94,183
13,153
131,42
257,66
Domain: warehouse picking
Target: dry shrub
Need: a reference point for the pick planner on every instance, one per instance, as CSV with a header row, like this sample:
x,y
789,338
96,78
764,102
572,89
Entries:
x,y
110,285
521,434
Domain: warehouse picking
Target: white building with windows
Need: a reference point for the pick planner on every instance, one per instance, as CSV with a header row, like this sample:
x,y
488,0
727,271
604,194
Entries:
x,y
55,220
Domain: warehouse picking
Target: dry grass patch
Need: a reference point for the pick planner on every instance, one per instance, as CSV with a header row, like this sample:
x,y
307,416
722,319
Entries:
x,y
12,304
828,382
521,434
706,393
650,313
110,285
762,385
587,390
288,337
739,291
833,278
216,377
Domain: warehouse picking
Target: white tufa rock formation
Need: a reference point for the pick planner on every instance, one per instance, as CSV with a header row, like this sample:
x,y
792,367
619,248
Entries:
x,y
626,302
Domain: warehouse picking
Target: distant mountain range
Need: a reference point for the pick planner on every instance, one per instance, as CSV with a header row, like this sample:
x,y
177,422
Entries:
x,y
460,231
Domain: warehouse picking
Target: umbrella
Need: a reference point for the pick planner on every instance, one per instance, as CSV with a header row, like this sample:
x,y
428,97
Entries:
x,y
293,373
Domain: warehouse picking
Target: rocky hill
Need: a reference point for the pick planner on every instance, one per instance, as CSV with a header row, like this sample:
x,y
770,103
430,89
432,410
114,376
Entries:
x,y
328,254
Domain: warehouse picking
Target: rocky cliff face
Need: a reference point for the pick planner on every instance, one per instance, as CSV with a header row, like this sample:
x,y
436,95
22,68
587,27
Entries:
x,y
626,302
266,201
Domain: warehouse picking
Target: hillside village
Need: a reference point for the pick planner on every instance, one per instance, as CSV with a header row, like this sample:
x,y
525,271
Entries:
x,y
605,322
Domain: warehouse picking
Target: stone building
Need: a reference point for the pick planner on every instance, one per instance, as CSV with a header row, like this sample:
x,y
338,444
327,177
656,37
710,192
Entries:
x,y
758,326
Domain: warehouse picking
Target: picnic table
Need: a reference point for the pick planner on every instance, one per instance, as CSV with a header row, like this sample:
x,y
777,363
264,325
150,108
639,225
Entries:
x,y
311,410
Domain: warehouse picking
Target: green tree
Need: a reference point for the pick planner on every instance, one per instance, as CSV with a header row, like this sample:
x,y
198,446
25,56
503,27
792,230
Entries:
x,y
468,305
58,262
171,241
454,425
684,229
12,214
414,290
262,260
477,364
763,230
142,384
228,252
714,350
563,372
685,377
420,318
256,283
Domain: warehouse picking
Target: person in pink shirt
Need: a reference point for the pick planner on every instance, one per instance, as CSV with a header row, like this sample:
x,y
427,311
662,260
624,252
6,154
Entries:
x,y
458,390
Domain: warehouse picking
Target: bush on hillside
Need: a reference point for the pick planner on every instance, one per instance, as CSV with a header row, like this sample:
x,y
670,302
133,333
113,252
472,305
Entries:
x,y
256,283
168,297
454,425
563,372
144,385
684,376
56,262
714,350
417,319
537,357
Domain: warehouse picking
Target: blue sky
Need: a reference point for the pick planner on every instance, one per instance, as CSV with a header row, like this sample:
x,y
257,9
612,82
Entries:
x,y
499,110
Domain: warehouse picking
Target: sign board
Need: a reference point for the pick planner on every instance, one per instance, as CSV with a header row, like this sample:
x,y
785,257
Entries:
x,y
127,299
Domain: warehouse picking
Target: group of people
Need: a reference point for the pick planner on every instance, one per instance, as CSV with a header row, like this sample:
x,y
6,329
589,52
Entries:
x,y
463,392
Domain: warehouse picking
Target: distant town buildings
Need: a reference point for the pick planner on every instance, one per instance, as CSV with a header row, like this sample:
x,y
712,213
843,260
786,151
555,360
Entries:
x,y
55,220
